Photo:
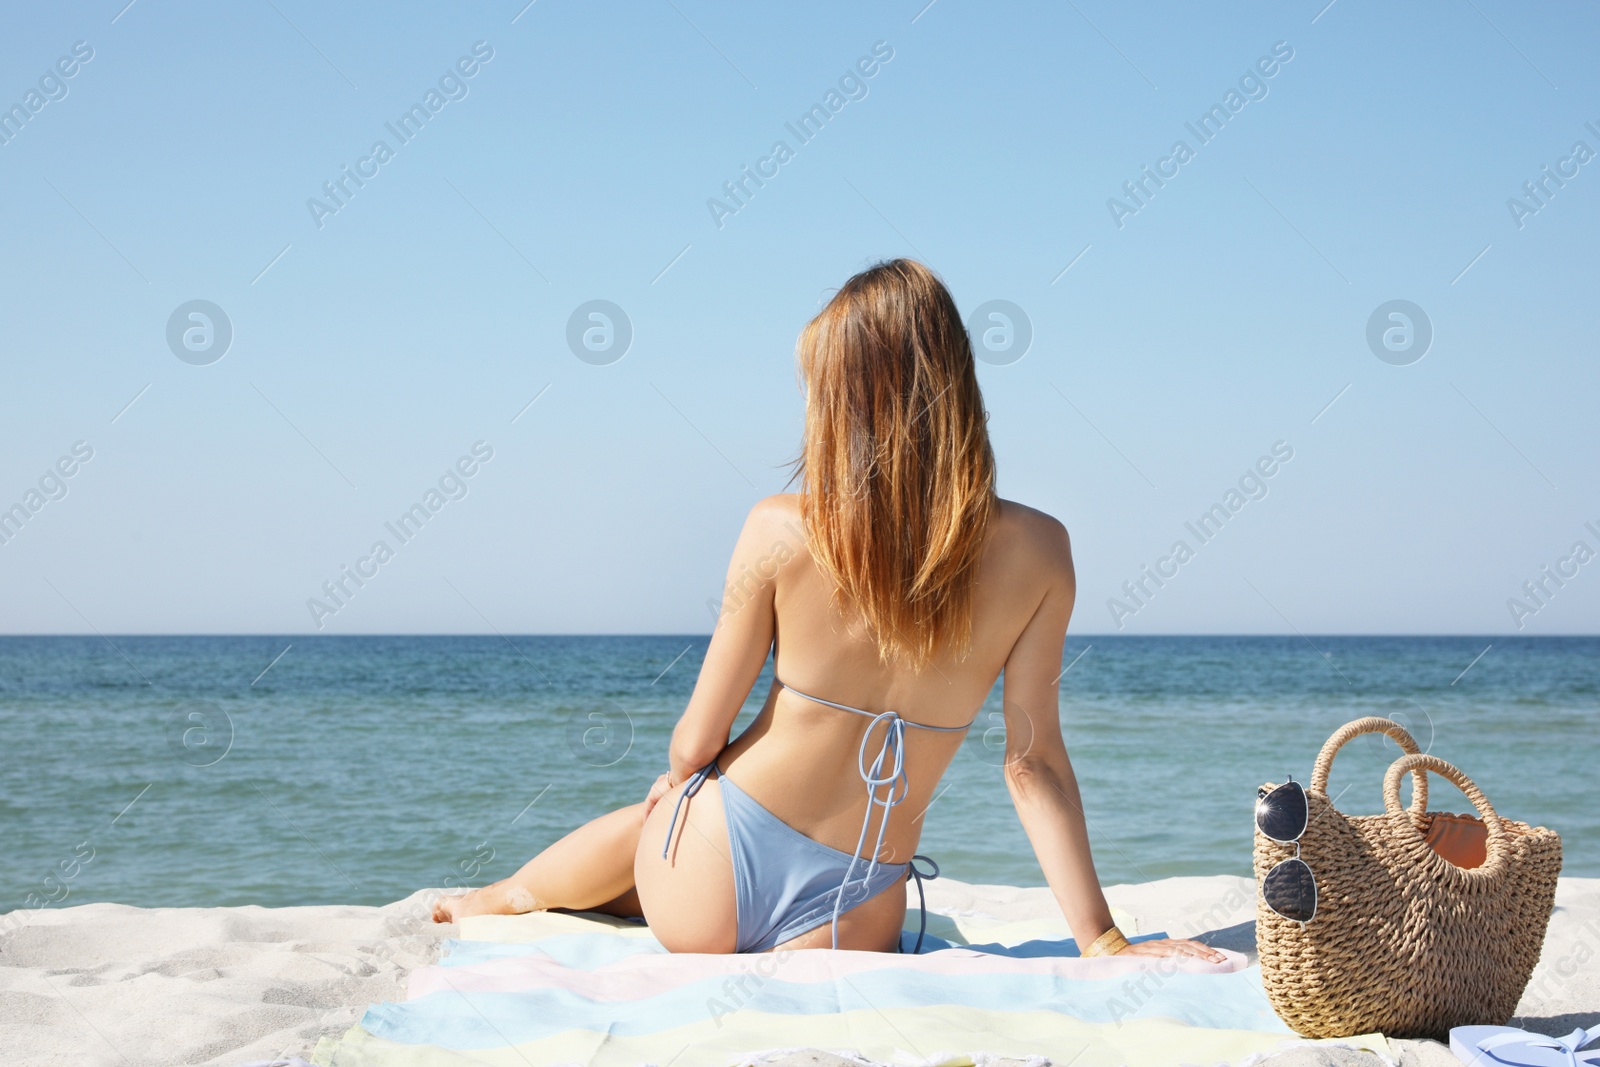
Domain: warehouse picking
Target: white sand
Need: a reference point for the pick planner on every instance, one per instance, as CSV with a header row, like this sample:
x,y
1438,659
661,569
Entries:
x,y
114,985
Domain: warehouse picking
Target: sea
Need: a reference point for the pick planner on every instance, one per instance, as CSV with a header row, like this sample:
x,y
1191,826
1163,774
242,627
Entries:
x,y
206,771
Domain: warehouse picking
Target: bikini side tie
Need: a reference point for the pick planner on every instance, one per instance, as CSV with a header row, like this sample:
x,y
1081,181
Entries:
x,y
922,898
696,780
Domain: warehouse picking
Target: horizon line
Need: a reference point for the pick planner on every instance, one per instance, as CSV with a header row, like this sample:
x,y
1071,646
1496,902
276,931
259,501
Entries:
x,y
696,634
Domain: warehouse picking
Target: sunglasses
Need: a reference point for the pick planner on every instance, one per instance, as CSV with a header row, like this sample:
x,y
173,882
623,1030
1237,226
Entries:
x,y
1289,889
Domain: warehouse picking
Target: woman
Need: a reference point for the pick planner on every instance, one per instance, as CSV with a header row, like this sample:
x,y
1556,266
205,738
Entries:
x,y
893,590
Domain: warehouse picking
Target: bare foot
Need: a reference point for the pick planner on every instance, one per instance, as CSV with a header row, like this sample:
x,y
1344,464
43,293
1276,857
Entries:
x,y
496,899
444,909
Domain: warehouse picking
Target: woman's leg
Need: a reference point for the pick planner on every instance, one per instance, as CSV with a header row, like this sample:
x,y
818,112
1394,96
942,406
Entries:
x,y
590,868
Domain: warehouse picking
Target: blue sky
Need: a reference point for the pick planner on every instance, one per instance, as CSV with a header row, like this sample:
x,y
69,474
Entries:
x,y
1173,346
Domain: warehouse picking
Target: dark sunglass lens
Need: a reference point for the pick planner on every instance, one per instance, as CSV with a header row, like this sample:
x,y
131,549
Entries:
x,y
1281,814
1290,890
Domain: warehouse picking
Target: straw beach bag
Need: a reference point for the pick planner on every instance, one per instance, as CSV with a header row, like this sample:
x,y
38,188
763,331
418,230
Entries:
x,y
1423,920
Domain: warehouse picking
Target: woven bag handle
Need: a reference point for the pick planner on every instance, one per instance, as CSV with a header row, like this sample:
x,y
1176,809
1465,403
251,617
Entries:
x,y
1372,724
1420,763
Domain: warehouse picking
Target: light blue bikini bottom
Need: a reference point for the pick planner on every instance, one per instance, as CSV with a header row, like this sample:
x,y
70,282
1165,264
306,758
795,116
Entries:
x,y
784,882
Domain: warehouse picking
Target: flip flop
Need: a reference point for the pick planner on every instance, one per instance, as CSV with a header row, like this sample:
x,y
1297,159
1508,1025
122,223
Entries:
x,y
1506,1046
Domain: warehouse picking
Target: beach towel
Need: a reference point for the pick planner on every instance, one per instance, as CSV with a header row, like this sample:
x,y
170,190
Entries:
x,y
548,988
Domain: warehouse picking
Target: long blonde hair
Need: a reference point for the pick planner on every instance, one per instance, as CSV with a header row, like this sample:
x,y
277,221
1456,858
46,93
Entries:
x,y
896,473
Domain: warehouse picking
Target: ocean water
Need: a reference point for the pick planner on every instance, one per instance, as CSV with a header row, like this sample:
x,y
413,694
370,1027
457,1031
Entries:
x,y
195,771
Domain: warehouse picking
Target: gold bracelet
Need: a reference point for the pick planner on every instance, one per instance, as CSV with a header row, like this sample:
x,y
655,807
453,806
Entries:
x,y
1107,944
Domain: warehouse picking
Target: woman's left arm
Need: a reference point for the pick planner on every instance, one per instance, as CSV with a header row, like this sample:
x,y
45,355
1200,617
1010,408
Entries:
x,y
742,640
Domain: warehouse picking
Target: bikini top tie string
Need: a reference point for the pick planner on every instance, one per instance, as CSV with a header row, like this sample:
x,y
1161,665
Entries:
x,y
893,747
891,750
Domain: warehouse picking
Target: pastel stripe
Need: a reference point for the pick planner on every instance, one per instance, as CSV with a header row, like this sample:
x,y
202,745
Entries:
x,y
894,1035
460,1018
641,975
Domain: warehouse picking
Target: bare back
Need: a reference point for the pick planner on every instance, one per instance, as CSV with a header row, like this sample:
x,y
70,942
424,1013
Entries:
x,y
799,758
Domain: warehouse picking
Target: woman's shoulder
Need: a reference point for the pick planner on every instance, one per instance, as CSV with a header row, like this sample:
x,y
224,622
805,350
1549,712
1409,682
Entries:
x,y
775,524
1032,535
1036,528
779,512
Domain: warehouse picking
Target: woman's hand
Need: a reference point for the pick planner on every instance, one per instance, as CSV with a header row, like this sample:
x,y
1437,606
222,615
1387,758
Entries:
x,y
657,791
1174,946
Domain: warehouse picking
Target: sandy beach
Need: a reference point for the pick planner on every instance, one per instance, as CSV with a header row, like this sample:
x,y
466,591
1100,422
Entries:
x,y
115,985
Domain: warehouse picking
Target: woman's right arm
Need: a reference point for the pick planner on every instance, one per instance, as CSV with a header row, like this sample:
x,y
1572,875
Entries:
x,y
1037,770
